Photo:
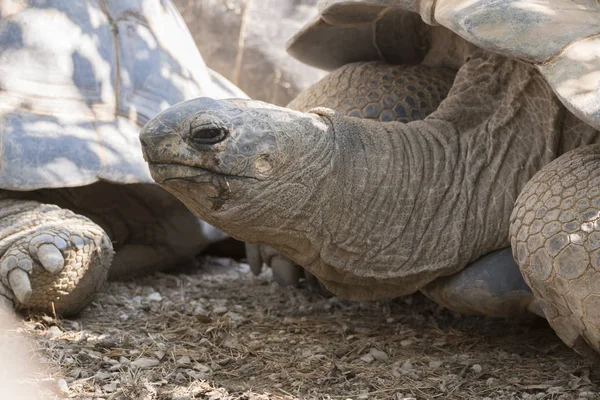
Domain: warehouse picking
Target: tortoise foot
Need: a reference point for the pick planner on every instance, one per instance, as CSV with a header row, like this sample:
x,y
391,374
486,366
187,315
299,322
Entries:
x,y
492,285
51,259
285,271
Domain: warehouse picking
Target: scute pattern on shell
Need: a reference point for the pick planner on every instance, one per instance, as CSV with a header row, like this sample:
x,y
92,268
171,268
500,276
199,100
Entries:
x,y
379,91
79,79
560,38
555,236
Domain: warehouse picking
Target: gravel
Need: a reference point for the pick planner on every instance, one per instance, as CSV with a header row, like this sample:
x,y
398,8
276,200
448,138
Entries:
x,y
221,333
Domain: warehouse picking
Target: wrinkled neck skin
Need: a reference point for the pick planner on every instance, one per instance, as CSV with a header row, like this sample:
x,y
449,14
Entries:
x,y
412,202
407,203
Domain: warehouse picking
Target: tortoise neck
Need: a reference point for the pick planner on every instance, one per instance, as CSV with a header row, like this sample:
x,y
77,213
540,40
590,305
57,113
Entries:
x,y
395,206
406,203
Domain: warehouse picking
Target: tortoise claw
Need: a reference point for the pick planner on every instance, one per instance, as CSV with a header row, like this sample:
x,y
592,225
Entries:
x,y
51,258
254,258
20,285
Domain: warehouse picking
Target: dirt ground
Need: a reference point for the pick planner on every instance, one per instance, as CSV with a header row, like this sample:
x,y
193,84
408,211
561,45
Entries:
x,y
221,333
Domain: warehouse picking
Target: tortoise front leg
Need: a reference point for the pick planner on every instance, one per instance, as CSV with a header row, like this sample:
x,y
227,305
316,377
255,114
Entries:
x,y
51,259
491,285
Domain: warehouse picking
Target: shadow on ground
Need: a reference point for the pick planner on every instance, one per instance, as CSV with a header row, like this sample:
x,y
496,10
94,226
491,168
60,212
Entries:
x,y
222,333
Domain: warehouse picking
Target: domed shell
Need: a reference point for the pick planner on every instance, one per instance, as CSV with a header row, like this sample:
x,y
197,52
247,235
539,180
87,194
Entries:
x,y
78,79
561,38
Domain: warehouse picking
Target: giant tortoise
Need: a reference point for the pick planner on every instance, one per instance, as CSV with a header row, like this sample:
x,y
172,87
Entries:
x,y
376,208
78,81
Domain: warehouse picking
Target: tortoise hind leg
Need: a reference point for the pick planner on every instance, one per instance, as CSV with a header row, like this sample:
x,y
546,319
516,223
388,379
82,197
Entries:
x,y
492,285
51,259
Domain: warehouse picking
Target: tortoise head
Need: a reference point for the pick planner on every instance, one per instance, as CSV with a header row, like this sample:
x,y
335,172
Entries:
x,y
235,162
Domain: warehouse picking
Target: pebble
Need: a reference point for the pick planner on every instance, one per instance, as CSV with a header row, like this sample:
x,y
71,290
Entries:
x,y
407,366
379,355
231,342
368,358
235,317
109,360
220,310
435,364
477,368
200,310
53,332
115,367
154,297
202,368
180,377
111,387
183,360
145,362
136,301
102,375
193,374
406,343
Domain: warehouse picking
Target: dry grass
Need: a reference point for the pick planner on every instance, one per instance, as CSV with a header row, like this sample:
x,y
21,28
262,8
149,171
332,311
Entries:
x,y
222,333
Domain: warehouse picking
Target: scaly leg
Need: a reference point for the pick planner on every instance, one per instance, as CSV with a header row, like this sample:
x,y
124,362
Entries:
x,y
51,259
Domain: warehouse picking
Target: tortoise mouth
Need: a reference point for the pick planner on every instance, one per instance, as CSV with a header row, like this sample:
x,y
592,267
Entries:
x,y
164,172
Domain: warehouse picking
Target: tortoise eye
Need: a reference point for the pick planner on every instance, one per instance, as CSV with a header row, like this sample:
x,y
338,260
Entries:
x,y
206,132
208,135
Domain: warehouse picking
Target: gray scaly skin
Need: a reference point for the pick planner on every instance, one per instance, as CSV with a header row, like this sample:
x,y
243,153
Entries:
x,y
373,90
50,255
373,209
